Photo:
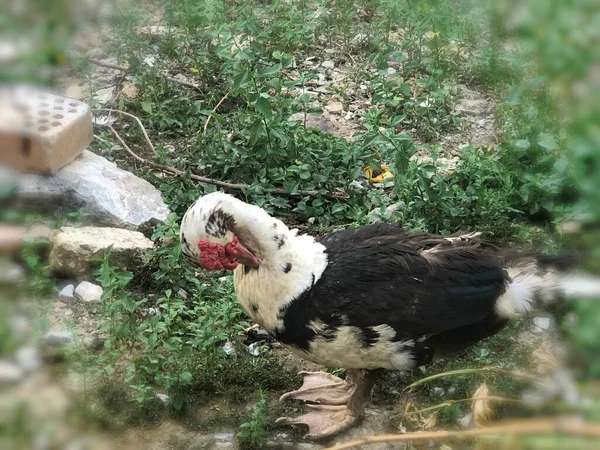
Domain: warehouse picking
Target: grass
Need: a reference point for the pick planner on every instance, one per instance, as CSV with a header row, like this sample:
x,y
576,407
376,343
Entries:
x,y
400,66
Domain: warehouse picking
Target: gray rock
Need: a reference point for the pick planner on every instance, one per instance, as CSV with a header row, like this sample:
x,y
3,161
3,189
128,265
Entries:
x,y
73,247
357,185
88,292
334,107
28,358
225,441
475,108
323,123
56,338
9,373
92,184
359,40
328,64
67,293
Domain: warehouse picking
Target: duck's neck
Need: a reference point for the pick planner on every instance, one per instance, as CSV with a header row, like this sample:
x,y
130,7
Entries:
x,y
289,265
260,233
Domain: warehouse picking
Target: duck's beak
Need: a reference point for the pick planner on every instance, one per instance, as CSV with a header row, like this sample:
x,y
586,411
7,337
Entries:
x,y
246,257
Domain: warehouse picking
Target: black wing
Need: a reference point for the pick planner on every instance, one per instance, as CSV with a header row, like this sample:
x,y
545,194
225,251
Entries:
x,y
384,281
417,283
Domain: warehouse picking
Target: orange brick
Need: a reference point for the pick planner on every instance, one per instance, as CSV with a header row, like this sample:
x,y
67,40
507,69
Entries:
x,y
41,132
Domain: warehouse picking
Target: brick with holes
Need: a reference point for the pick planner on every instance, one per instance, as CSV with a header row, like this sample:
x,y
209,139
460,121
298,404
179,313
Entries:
x,y
41,132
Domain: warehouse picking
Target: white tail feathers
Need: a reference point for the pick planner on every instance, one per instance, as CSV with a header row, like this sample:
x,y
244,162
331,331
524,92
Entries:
x,y
529,291
580,286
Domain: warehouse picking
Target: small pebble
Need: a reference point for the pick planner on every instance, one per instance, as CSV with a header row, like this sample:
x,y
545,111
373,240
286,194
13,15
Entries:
x,y
437,391
224,437
88,292
164,398
228,348
67,293
465,421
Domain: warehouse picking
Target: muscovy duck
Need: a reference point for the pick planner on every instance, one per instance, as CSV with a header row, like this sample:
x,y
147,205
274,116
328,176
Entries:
x,y
366,299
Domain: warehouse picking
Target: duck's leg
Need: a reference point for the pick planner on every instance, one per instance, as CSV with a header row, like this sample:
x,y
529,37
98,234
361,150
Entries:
x,y
326,420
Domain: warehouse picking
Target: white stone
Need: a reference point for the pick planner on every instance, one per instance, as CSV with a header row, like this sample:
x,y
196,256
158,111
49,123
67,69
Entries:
x,y
67,293
465,421
541,324
357,185
28,358
359,39
254,349
224,437
88,292
164,398
9,373
437,391
228,348
74,247
328,64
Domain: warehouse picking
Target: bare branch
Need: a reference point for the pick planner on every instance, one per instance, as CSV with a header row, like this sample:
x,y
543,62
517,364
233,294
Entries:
x,y
563,425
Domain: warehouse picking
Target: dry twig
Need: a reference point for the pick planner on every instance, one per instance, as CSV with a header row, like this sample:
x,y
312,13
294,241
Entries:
x,y
524,376
134,118
569,426
446,403
213,111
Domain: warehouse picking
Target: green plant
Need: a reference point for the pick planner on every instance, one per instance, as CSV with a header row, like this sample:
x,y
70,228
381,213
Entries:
x,y
38,280
252,434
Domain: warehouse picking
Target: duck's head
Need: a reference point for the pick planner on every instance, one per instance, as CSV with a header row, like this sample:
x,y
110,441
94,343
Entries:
x,y
214,235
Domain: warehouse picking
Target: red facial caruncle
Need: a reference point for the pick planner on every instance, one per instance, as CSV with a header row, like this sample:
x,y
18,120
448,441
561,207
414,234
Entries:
x,y
218,257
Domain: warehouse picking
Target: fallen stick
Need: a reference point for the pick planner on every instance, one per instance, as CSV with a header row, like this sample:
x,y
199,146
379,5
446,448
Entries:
x,y
571,426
